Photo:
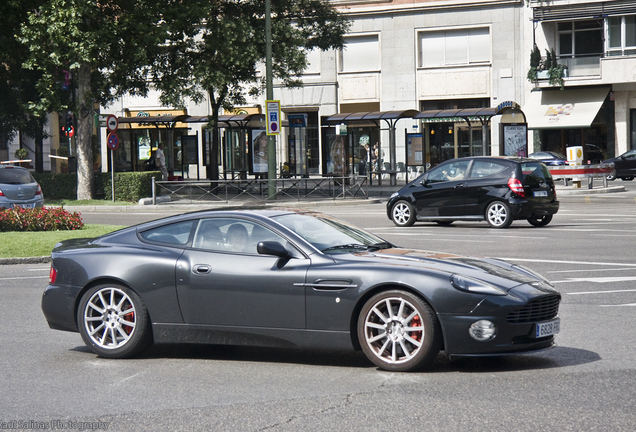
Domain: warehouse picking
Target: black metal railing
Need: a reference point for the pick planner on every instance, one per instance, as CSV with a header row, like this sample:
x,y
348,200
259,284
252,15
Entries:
x,y
258,191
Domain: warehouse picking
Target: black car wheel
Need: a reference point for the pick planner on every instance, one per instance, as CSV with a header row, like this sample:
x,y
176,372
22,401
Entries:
x,y
113,322
403,214
398,331
498,215
540,221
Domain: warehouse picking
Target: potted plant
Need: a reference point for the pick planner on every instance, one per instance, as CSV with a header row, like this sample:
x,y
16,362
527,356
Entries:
x,y
22,154
556,71
535,62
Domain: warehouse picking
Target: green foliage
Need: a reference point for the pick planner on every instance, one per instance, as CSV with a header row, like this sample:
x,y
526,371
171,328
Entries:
x,y
129,186
39,219
21,153
57,186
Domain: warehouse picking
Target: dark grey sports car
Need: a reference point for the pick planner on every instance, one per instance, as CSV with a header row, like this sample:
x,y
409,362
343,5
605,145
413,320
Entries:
x,y
292,278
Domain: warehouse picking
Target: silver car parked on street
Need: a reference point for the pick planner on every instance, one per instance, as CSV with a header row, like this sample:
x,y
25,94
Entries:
x,y
18,188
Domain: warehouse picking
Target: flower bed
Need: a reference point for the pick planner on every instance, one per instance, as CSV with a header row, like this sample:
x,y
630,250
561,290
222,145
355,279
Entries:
x,y
39,219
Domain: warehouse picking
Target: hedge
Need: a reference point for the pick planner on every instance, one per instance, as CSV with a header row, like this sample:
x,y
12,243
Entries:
x,y
129,186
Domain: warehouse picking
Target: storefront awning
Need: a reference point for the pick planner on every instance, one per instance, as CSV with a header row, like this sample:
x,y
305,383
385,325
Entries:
x,y
561,109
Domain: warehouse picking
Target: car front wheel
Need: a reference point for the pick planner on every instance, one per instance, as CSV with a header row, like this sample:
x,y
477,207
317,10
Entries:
x,y
403,214
113,321
399,332
498,215
540,221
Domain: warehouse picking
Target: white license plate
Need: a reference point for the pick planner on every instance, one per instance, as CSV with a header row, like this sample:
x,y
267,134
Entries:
x,y
541,193
548,328
25,206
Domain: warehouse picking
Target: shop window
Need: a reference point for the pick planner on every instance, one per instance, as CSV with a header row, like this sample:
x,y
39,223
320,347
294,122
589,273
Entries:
x,y
360,54
621,35
455,47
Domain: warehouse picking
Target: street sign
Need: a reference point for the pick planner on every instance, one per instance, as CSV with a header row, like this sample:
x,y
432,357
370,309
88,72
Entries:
x,y
273,117
111,123
113,141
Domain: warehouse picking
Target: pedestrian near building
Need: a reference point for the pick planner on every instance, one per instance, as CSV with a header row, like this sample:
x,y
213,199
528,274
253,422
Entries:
x,y
161,161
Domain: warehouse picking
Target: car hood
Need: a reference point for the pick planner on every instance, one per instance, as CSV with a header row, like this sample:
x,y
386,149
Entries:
x,y
494,271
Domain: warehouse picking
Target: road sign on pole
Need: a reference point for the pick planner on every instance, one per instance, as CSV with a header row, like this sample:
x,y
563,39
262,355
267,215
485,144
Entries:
x,y
113,141
273,117
111,123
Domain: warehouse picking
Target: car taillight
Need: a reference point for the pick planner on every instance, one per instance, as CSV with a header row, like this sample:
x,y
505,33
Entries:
x,y
38,191
1,193
52,275
516,186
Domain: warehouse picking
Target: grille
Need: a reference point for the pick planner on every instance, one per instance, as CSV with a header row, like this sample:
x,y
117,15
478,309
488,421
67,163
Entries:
x,y
538,309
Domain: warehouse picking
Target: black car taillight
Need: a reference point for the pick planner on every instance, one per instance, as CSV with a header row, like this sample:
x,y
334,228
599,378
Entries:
x,y
516,186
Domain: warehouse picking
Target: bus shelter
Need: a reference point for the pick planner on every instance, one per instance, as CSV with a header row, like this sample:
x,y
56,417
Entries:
x,y
344,150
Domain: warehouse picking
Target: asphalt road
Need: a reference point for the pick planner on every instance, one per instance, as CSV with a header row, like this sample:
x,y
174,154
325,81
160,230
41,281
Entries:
x,y
588,382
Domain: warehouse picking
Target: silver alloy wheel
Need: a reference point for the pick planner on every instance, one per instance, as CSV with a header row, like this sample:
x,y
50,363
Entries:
x,y
393,330
402,214
498,214
110,318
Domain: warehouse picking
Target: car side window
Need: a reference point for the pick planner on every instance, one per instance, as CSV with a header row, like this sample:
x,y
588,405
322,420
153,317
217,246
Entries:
x,y
482,169
176,234
452,171
232,235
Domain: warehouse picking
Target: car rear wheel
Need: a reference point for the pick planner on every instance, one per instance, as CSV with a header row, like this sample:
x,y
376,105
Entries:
x,y
540,221
403,214
399,332
612,176
113,321
498,215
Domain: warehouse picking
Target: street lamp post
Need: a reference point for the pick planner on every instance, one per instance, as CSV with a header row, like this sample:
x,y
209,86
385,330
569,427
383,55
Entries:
x,y
271,139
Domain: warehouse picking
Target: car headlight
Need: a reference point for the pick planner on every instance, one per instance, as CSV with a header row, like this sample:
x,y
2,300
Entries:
x,y
464,283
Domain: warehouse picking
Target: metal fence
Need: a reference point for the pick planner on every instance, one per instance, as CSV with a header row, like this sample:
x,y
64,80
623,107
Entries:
x,y
257,190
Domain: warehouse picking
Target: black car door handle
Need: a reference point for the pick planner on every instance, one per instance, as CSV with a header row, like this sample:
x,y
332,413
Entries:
x,y
201,269
459,185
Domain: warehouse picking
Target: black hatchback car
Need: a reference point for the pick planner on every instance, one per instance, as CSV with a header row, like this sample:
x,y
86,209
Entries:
x,y
495,189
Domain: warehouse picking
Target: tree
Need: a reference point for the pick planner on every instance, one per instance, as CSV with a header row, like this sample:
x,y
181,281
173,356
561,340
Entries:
x,y
223,45
105,46
16,84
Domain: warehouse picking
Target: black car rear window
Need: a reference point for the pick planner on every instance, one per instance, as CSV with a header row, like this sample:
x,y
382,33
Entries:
x,y
15,176
534,173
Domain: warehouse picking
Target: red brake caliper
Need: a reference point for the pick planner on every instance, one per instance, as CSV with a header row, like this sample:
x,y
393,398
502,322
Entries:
x,y
130,317
416,322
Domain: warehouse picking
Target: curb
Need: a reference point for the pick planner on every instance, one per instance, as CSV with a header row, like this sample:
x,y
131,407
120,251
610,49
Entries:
x,y
25,260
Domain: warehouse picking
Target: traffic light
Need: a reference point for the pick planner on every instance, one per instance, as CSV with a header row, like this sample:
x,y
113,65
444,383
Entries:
x,y
68,129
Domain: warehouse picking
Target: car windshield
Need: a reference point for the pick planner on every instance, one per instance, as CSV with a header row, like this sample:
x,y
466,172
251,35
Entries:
x,y
329,234
15,176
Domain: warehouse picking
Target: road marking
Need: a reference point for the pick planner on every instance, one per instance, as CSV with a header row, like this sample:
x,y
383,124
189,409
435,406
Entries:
x,y
569,262
599,279
602,292
23,277
621,305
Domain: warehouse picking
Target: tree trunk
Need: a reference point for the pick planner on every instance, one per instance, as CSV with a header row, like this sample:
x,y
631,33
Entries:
x,y
85,119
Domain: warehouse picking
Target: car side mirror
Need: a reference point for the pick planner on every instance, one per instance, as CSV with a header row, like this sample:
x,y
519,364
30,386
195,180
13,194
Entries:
x,y
425,182
272,248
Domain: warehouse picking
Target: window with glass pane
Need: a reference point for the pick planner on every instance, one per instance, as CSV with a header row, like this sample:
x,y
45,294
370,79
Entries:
x,y
581,38
621,35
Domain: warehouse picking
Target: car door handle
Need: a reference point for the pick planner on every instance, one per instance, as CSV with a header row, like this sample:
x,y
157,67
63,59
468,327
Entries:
x,y
459,185
201,269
